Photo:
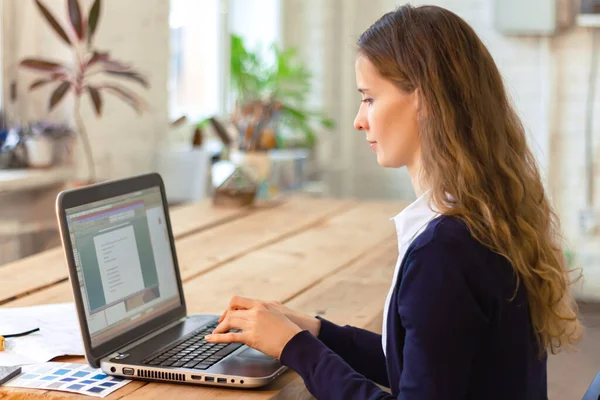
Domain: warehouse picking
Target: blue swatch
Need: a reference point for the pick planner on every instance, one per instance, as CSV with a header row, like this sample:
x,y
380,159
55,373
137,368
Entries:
x,y
99,376
115,379
108,384
96,390
87,382
29,376
76,387
80,374
61,372
68,379
48,378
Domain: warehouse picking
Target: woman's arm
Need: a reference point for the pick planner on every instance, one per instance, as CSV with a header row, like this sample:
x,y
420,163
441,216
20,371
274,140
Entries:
x,y
360,348
325,373
443,324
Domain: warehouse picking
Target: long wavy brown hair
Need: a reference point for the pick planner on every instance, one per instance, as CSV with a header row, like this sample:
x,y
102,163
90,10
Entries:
x,y
474,149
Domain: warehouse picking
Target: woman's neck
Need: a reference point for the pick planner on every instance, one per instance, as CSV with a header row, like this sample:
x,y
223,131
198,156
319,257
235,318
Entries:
x,y
414,170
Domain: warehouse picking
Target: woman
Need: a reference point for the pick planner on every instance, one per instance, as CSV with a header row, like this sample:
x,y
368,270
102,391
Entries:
x,y
480,293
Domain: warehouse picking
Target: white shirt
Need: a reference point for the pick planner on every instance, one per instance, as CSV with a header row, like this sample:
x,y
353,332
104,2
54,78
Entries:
x,y
409,224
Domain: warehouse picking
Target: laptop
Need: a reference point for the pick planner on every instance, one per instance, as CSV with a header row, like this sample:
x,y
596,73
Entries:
x,y
120,251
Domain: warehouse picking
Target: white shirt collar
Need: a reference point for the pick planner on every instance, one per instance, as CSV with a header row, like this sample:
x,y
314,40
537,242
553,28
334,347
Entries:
x,y
414,218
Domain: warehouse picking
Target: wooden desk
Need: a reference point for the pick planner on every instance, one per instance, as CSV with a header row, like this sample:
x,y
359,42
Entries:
x,y
329,257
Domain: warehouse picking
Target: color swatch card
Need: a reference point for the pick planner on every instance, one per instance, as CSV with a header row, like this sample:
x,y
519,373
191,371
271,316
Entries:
x,y
68,377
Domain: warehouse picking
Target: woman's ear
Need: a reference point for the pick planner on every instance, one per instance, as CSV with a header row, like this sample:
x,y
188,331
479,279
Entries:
x,y
418,102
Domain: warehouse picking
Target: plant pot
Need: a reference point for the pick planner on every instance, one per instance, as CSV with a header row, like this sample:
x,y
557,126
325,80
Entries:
x,y
40,152
185,173
289,168
276,171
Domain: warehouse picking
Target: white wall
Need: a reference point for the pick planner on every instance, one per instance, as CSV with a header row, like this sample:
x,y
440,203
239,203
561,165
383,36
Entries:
x,y
134,31
546,77
325,32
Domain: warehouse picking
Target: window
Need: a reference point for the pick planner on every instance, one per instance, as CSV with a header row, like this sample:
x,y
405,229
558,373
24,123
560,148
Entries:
x,y
200,46
197,56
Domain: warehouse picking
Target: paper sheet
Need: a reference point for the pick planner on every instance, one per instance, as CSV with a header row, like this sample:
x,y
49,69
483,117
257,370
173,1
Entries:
x,y
59,334
68,377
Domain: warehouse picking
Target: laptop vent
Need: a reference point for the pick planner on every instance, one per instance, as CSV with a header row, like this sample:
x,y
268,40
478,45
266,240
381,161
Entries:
x,y
170,376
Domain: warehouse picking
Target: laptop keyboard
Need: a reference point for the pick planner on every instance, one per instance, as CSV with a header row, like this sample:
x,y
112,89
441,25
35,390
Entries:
x,y
193,352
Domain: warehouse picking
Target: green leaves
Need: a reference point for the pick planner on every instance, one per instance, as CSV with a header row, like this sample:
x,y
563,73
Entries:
x,y
284,80
58,94
246,72
53,22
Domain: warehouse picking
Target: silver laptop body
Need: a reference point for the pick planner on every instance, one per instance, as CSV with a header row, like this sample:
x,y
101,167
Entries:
x,y
120,251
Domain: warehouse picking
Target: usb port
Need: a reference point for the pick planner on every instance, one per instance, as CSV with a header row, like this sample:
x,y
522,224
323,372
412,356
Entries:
x,y
209,379
222,380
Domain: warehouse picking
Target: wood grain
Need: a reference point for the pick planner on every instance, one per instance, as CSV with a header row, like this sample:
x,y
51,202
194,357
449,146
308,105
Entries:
x,y
208,249
286,269
328,257
49,267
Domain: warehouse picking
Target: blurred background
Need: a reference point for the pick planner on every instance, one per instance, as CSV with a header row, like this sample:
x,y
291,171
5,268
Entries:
x,y
131,86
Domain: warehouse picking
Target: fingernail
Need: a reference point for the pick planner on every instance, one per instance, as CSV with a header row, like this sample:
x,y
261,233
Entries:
x,y
208,337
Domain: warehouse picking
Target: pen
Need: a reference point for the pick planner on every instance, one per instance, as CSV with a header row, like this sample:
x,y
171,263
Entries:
x,y
2,337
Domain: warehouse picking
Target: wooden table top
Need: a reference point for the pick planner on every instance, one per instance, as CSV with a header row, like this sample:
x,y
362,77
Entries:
x,y
328,257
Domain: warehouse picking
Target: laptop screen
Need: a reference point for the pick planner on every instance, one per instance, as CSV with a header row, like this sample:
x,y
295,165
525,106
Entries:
x,y
124,262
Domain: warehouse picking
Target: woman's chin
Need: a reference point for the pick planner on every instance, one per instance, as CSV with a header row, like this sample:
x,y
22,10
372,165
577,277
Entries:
x,y
381,160
387,163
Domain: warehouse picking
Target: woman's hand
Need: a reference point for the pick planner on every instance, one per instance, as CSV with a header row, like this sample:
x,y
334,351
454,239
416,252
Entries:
x,y
304,321
263,328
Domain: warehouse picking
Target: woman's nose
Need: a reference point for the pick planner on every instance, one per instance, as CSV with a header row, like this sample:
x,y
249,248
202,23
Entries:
x,y
359,122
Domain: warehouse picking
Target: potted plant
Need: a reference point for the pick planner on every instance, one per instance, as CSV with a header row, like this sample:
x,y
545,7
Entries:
x,y
270,109
48,144
270,112
94,72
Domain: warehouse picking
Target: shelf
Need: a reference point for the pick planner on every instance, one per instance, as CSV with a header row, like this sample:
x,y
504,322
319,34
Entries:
x,y
12,180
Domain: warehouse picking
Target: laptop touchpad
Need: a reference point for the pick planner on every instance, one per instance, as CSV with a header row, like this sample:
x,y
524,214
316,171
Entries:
x,y
252,354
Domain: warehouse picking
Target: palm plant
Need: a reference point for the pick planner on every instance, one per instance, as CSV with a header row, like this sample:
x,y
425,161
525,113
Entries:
x,y
280,89
82,77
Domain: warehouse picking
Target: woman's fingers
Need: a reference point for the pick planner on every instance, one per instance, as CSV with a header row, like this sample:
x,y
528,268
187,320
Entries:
x,y
237,302
231,337
233,320
223,316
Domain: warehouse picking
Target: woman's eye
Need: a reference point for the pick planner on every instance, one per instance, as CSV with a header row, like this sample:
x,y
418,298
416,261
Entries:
x,y
367,100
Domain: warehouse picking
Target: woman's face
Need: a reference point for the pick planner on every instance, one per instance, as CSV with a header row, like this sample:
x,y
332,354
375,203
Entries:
x,y
388,116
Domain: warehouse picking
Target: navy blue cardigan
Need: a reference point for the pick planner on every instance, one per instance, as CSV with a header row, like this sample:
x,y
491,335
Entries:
x,y
453,332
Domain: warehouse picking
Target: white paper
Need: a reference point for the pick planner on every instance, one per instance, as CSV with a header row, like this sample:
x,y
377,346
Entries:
x,y
59,334
67,377
119,262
